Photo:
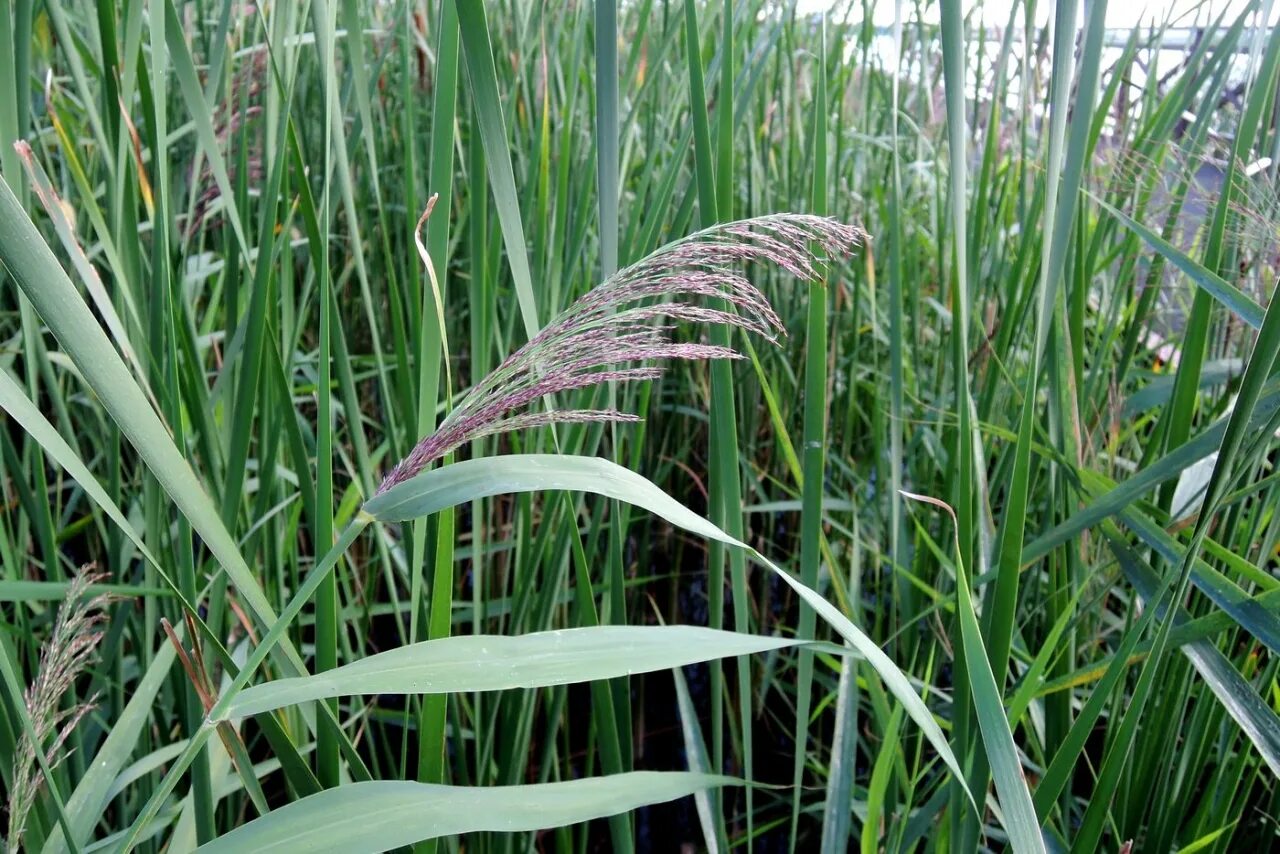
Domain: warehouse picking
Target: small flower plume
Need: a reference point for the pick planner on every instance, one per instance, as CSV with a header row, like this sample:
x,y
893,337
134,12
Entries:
x,y
626,320
64,656
241,106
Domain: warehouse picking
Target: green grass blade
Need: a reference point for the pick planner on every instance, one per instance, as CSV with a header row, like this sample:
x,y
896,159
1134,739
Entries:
x,y
814,450
1258,721
1240,304
695,749
963,486
27,258
606,19
498,662
1258,370
378,816
1020,820
478,52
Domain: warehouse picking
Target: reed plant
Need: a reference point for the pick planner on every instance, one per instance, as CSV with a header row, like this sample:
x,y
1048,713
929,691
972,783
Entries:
x,y
628,425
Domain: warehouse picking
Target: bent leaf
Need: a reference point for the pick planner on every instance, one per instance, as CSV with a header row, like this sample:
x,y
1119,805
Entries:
x,y
434,490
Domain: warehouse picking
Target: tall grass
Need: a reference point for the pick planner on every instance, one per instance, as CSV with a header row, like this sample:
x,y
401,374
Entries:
x,y
226,320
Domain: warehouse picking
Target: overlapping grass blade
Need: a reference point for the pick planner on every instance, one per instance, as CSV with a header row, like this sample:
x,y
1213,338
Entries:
x,y
1006,767
436,489
27,258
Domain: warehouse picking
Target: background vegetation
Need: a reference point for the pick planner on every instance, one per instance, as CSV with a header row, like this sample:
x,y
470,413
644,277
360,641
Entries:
x,y
1060,328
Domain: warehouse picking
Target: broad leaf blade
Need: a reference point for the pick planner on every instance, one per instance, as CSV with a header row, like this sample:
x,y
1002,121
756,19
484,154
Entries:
x,y
377,816
495,662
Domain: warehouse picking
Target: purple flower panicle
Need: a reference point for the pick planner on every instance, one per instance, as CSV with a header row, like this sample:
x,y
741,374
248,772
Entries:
x,y
613,325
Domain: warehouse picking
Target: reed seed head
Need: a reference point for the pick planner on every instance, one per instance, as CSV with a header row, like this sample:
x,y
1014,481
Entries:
x,y
64,657
619,323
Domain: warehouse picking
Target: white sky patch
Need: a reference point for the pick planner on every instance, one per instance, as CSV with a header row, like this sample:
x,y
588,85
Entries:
x,y
995,13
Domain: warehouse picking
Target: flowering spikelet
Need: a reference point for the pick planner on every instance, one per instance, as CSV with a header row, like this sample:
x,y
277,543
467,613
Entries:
x,y
239,107
618,323
64,656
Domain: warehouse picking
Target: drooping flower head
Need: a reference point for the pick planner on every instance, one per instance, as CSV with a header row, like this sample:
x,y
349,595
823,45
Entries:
x,y
626,320
68,652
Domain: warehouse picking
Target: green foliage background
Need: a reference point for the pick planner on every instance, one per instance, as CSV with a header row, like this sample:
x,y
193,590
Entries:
x,y
1061,328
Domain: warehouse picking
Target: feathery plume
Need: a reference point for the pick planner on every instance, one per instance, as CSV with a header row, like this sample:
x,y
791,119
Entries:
x,y
64,656
616,324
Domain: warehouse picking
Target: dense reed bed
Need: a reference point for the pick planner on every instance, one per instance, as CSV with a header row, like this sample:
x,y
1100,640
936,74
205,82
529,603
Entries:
x,y
621,426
